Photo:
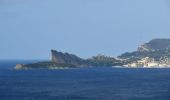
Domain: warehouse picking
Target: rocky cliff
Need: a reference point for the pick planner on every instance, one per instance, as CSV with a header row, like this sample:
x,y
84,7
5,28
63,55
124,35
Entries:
x,y
66,58
154,53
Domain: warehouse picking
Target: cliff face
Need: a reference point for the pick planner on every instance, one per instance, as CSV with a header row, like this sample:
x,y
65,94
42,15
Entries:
x,y
99,60
66,58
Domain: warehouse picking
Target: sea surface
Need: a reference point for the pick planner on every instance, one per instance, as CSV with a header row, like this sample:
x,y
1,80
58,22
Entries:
x,y
83,84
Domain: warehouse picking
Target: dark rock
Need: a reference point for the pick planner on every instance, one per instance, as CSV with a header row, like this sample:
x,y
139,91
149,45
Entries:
x,y
66,58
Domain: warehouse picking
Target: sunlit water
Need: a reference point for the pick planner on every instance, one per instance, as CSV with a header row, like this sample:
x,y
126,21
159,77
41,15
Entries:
x,y
84,84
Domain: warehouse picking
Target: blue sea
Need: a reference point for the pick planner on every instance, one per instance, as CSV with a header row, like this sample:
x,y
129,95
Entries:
x,y
83,84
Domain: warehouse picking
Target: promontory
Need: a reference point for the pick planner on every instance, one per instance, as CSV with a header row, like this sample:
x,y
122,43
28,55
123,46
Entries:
x,y
154,54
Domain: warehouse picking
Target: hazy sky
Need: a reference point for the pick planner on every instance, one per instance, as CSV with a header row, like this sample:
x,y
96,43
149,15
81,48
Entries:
x,y
29,29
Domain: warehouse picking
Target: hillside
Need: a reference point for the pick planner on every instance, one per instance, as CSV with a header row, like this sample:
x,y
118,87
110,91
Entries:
x,y
155,45
157,49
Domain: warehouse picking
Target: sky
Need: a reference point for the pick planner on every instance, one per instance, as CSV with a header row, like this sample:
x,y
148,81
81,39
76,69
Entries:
x,y
29,29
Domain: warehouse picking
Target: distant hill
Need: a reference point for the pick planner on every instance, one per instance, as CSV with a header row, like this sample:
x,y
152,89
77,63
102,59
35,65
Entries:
x,y
155,48
155,44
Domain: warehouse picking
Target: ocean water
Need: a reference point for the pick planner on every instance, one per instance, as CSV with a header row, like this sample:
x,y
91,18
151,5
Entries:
x,y
83,84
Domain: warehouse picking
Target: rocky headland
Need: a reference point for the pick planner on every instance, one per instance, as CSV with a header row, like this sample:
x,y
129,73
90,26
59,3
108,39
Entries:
x,y
154,54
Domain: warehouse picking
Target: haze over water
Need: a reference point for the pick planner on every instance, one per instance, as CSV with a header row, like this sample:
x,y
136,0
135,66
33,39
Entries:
x,y
29,29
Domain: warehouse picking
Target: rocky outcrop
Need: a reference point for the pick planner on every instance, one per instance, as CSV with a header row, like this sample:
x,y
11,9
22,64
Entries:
x,y
102,60
154,53
19,66
44,65
60,60
144,48
66,58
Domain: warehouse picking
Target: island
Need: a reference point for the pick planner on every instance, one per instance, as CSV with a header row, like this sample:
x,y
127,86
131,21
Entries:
x,y
154,54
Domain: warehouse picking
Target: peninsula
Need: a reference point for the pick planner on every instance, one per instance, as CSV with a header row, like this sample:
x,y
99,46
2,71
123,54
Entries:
x,y
154,54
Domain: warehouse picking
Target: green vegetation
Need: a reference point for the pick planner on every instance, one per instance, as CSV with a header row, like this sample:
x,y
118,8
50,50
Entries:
x,y
101,60
47,64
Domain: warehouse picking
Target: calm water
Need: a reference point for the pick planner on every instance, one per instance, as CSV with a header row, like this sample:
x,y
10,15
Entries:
x,y
83,84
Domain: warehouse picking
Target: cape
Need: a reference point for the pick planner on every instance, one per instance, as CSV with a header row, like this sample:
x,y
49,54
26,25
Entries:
x,y
154,54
